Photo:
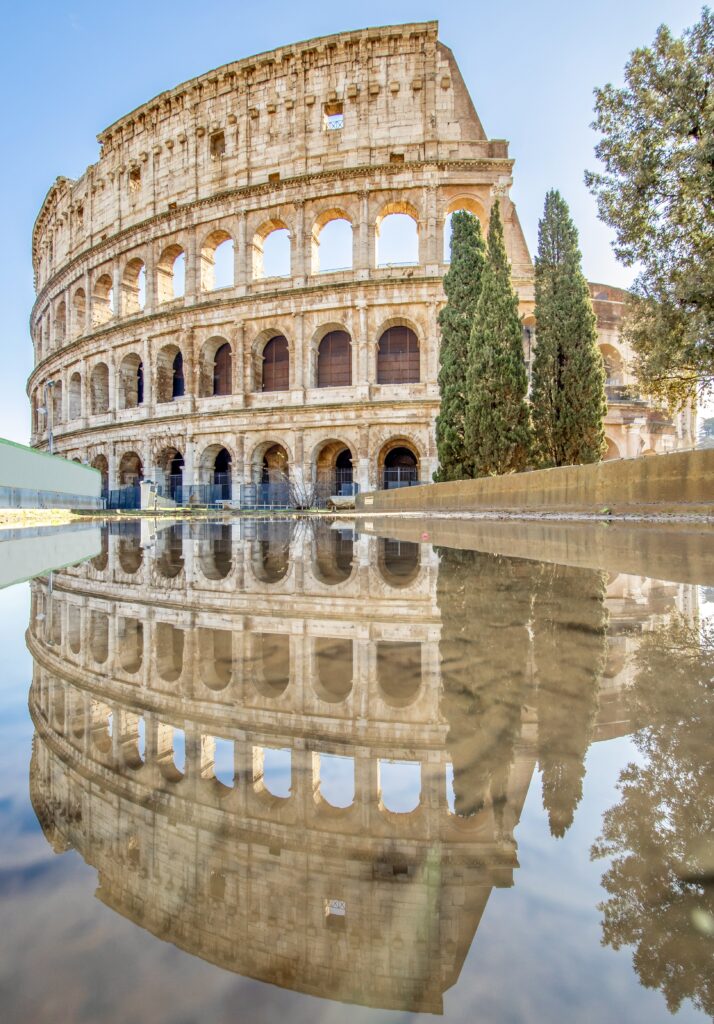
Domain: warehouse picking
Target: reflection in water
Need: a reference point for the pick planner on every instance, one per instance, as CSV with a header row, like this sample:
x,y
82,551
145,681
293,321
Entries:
x,y
660,836
319,789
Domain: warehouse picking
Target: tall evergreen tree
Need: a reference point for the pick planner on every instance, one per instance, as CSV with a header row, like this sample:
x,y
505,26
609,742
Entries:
x,y
498,434
462,285
568,381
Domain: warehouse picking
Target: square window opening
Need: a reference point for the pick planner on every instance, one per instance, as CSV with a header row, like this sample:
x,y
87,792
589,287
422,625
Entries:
x,y
334,117
218,145
134,179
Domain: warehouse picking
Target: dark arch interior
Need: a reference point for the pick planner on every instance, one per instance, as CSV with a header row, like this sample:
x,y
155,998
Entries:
x,y
178,386
334,360
400,468
276,364
222,370
398,357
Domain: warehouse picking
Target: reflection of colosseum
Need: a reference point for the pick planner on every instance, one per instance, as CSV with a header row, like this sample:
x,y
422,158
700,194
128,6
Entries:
x,y
185,345
175,675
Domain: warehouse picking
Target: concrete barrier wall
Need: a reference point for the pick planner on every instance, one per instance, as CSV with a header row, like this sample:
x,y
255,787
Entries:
x,y
677,482
31,479
35,551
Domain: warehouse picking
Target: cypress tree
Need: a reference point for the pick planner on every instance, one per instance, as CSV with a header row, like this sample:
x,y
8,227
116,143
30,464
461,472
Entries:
x,y
498,434
462,285
568,381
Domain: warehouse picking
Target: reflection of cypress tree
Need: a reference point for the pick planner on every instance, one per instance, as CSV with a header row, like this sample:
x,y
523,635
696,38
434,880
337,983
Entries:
x,y
485,606
569,642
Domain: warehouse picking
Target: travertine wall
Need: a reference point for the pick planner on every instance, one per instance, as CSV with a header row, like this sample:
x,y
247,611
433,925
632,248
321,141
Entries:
x,y
354,127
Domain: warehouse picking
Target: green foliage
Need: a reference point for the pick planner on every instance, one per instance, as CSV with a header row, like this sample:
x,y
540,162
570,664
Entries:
x,y
657,192
462,285
568,381
658,838
498,435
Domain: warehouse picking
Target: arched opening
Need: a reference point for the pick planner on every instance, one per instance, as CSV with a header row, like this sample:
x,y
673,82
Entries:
x,y
74,628
217,261
399,467
336,779
100,562
270,663
216,368
274,465
612,451
129,550
215,650
131,382
170,380
99,389
100,462
398,561
61,323
398,672
332,243
334,360
170,752
275,375
333,668
399,785
271,551
102,300
133,287
171,274
398,356
169,552
169,643
614,366
79,312
462,204
131,470
334,470
130,644
215,472
214,551
271,250
334,552
75,396
397,236
273,770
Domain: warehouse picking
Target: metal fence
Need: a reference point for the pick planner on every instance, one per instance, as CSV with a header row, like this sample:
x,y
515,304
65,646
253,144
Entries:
x,y
400,476
124,498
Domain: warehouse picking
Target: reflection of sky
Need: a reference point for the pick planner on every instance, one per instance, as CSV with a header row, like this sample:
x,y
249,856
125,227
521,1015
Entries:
x,y
223,761
277,765
400,785
179,745
337,779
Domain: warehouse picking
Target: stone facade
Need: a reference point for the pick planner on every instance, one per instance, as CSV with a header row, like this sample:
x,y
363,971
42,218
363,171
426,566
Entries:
x,y
156,372
260,639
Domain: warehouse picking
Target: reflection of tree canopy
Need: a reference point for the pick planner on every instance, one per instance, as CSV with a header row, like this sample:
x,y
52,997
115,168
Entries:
x,y
660,834
485,603
569,645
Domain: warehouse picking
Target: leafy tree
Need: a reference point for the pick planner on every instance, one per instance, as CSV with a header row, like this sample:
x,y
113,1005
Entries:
x,y
657,192
659,837
706,427
569,646
498,434
462,285
568,381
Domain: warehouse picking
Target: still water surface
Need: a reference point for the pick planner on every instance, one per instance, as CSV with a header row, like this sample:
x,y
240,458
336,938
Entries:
x,y
278,770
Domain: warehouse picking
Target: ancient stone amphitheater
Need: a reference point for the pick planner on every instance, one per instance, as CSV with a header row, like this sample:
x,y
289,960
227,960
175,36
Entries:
x,y
175,341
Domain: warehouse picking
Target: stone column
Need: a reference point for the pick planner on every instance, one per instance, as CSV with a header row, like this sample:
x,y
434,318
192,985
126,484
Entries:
x,y
238,382
364,245
298,257
150,272
116,289
297,368
193,270
243,256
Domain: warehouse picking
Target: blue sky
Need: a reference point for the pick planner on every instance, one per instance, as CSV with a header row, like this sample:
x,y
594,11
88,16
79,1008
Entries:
x,y
70,69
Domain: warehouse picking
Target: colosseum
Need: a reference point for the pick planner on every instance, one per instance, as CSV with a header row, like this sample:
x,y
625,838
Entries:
x,y
219,708
218,298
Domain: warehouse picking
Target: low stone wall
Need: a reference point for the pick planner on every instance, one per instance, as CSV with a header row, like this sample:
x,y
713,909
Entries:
x,y
682,481
31,479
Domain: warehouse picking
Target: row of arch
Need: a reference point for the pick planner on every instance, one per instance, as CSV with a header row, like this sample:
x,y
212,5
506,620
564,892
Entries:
x,y
119,737
397,361
332,557
268,666
128,291
333,467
